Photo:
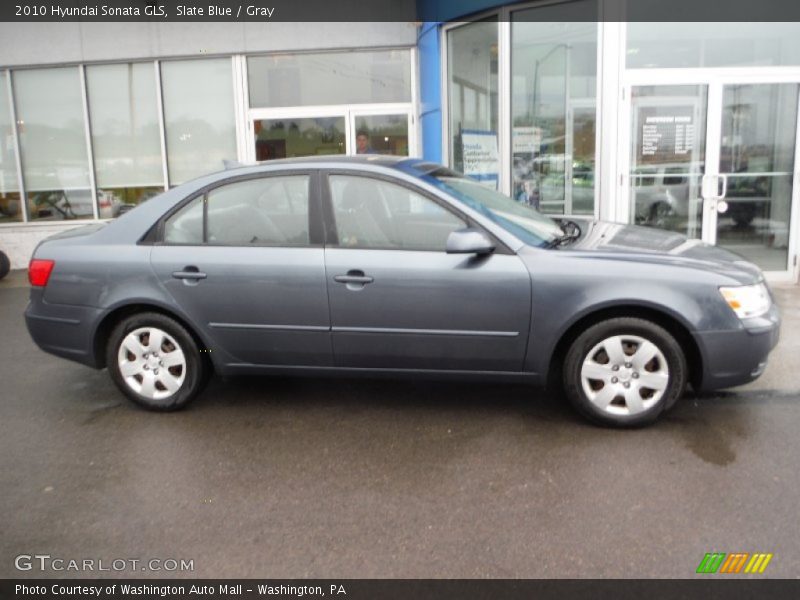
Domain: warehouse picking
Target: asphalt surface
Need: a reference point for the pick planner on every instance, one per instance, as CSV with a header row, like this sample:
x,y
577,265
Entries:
x,y
289,477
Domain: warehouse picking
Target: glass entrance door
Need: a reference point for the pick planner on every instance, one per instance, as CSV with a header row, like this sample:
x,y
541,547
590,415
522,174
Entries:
x,y
716,161
756,166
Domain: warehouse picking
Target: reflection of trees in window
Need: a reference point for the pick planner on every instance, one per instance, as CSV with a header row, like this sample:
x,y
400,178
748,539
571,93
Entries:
x,y
342,78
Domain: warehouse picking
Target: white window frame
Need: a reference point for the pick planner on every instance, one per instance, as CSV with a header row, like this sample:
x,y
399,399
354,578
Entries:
x,y
608,64
349,112
714,78
23,196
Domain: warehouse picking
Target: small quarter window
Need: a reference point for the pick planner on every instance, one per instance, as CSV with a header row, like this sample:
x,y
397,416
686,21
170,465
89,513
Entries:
x,y
186,225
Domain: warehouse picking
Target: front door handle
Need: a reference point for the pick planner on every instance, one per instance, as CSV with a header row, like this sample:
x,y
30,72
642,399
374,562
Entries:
x,y
189,273
355,278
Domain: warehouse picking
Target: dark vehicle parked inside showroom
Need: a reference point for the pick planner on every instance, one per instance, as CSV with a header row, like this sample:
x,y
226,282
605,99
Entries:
x,y
369,265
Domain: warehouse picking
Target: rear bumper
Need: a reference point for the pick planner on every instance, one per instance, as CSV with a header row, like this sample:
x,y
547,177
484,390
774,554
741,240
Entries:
x,y
738,356
64,330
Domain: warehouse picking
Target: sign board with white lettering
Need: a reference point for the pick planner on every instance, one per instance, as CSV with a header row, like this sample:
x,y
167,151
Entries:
x,y
481,157
526,140
667,138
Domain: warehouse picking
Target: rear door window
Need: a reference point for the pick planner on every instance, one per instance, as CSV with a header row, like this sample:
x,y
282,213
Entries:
x,y
270,211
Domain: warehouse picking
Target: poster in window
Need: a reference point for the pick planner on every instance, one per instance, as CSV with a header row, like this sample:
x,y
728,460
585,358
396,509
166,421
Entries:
x,y
481,157
667,136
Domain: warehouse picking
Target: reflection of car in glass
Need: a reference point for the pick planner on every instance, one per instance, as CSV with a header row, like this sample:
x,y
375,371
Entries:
x,y
63,204
666,194
747,198
9,207
663,194
5,264
77,204
539,182
368,265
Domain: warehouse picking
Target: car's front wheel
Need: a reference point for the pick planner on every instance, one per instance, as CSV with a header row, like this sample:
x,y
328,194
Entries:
x,y
624,372
155,362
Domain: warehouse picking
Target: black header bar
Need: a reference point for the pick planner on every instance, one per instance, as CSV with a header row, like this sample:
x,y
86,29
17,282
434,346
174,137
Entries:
x,y
707,587
715,11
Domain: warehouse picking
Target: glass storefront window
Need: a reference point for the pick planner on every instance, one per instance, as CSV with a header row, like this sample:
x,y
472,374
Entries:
x,y
10,205
686,45
382,134
125,135
472,54
289,138
52,139
198,116
331,78
553,113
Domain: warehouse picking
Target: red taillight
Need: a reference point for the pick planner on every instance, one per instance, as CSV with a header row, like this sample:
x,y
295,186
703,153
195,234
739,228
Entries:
x,y
39,271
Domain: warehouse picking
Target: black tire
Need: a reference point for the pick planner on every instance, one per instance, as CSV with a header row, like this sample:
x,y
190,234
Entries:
x,y
193,378
660,214
5,265
743,218
617,412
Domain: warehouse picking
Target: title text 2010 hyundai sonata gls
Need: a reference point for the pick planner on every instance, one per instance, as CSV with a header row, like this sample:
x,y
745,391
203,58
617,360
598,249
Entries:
x,y
376,264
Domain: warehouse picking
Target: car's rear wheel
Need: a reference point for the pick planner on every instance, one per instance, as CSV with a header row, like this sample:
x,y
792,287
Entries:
x,y
155,362
624,372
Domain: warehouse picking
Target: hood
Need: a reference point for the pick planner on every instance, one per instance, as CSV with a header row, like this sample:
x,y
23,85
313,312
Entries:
x,y
646,244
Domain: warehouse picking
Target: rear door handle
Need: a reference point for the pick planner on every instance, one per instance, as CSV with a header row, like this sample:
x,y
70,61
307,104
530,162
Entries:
x,y
191,273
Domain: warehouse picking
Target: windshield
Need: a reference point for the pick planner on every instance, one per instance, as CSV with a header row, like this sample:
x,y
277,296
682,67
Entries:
x,y
525,222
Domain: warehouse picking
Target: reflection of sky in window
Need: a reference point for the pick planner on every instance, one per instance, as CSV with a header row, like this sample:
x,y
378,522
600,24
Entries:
x,y
557,48
52,134
199,89
676,45
333,78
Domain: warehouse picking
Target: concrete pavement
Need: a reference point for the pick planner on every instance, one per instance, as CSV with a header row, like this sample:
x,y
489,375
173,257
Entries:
x,y
287,477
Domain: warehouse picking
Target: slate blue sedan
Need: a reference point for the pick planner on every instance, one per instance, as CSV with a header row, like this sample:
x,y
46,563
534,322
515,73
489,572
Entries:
x,y
374,264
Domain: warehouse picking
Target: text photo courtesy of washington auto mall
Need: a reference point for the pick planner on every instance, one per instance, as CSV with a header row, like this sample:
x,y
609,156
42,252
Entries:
x,y
399,299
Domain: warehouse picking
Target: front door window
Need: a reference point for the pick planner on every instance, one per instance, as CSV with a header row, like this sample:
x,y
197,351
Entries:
x,y
371,213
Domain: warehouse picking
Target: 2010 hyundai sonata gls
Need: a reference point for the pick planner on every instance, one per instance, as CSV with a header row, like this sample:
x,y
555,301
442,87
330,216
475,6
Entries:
x,y
375,264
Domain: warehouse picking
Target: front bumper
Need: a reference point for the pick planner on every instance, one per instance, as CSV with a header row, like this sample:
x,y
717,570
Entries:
x,y
64,330
738,356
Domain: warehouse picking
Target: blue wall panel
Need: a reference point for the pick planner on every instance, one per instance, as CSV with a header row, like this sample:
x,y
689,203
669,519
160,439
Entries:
x,y
433,13
430,86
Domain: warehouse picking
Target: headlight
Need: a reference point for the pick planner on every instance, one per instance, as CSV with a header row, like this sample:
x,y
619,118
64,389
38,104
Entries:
x,y
747,300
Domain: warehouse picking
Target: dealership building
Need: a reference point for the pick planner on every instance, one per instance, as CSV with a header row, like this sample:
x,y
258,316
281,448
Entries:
x,y
692,127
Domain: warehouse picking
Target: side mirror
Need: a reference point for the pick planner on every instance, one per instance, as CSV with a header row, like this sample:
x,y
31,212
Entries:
x,y
469,241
